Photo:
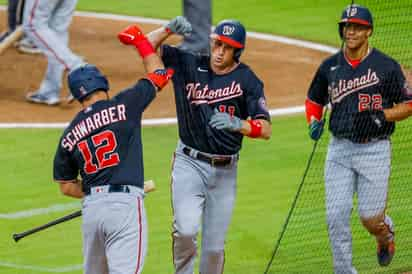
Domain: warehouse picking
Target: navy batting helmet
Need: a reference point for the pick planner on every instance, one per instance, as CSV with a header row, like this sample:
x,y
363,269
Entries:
x,y
355,14
233,33
85,80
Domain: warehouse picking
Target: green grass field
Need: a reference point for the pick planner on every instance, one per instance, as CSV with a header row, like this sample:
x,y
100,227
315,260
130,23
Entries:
x,y
268,174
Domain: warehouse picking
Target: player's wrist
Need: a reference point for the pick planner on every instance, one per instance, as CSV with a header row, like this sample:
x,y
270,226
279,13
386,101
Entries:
x,y
145,48
167,30
255,128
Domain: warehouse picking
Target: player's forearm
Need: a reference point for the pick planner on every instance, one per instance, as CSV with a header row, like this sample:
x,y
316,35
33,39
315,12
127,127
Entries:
x,y
266,129
398,112
157,37
152,63
72,188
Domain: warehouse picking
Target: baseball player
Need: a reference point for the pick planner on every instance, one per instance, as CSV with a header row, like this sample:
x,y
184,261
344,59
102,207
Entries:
x,y
219,100
14,19
367,93
103,143
46,23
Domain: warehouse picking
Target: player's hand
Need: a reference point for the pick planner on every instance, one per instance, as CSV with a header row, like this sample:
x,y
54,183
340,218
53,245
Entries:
x,y
179,25
368,123
223,120
316,129
131,35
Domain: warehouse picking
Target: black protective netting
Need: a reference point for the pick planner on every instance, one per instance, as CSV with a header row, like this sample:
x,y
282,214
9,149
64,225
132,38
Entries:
x,y
304,247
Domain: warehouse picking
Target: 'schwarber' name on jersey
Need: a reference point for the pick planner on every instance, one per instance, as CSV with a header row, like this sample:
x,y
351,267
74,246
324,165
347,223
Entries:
x,y
205,95
346,87
97,120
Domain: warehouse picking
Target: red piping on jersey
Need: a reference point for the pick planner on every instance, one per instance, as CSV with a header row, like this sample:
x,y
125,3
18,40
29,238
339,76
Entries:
x,y
313,109
32,14
355,62
139,244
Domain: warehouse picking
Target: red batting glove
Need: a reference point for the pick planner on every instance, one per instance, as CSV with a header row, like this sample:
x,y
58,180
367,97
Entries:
x,y
132,35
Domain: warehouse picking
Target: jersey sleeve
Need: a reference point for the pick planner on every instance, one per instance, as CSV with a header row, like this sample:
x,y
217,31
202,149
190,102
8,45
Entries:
x,y
318,90
398,85
138,97
170,56
256,101
64,166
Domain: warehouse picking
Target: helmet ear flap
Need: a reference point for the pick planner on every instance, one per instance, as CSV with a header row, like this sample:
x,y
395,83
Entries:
x,y
237,53
341,25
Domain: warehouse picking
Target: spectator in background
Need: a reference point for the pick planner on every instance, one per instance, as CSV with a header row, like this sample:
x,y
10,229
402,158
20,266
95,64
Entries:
x,y
47,23
14,19
199,14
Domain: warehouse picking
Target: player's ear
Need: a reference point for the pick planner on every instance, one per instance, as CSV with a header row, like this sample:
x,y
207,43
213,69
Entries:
x,y
369,32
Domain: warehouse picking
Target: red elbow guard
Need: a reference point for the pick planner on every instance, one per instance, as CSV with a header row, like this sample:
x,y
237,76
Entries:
x,y
255,128
160,77
313,110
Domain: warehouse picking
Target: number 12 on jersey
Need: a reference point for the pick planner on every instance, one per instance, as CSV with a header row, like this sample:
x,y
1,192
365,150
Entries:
x,y
105,144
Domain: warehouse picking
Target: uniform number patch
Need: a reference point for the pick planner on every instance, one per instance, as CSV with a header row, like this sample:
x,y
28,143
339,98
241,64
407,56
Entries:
x,y
369,102
229,109
105,144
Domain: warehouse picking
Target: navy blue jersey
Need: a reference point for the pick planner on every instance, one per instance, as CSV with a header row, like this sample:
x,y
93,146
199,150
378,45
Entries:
x,y
375,84
198,91
103,141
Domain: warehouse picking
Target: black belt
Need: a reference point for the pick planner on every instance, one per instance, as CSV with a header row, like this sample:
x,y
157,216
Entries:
x,y
368,139
219,161
111,188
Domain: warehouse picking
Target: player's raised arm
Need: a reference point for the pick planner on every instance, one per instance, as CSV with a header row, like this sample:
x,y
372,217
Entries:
x,y
178,25
132,35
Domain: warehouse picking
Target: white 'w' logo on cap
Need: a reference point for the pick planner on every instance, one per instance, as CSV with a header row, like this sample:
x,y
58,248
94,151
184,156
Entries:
x,y
351,11
228,30
82,90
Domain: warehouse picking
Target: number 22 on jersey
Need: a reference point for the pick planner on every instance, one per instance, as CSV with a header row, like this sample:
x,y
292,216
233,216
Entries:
x,y
369,102
104,155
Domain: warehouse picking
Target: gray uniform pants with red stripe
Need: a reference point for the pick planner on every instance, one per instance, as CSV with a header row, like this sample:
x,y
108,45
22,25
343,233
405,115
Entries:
x,y
114,233
202,195
46,23
352,168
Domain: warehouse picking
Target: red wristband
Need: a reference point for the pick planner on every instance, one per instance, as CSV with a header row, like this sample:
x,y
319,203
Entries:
x,y
145,48
255,128
313,109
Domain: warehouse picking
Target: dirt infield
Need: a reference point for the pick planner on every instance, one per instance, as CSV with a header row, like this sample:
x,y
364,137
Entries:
x,y
286,71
